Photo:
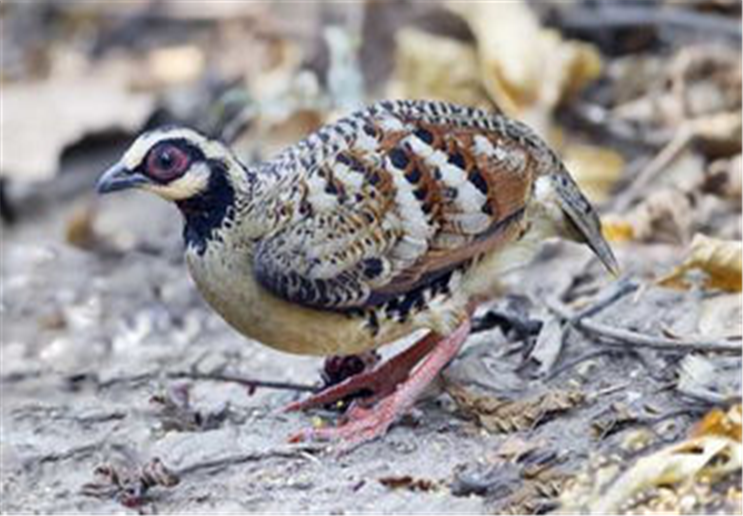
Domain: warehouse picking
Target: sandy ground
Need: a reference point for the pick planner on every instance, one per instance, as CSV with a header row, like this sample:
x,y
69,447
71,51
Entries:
x,y
89,337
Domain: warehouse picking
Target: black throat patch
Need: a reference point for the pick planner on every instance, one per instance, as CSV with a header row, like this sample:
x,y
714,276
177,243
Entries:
x,y
208,211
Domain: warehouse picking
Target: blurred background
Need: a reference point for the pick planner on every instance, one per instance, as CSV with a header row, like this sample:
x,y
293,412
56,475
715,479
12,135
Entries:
x,y
642,99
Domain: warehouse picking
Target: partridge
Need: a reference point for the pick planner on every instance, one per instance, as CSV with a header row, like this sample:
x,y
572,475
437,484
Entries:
x,y
398,218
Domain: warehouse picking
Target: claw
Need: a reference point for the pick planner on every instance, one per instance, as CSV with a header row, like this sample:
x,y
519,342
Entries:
x,y
363,424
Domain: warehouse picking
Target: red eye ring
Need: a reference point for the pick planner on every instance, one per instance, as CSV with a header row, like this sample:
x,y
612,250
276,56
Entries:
x,y
166,162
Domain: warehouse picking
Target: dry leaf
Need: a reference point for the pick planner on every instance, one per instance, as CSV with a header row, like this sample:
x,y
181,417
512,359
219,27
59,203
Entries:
x,y
662,480
720,259
505,415
700,85
596,169
711,456
548,346
664,216
526,484
526,69
713,450
408,482
615,229
721,423
436,67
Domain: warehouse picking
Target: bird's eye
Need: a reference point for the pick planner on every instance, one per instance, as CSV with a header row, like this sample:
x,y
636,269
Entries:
x,y
167,162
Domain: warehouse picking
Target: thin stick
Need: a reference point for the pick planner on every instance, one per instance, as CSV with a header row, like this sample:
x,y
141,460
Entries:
x,y
639,16
635,339
602,119
248,382
579,360
658,164
620,289
285,452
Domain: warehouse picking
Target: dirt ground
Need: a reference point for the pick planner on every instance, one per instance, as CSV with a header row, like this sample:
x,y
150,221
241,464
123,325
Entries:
x,y
89,337
578,392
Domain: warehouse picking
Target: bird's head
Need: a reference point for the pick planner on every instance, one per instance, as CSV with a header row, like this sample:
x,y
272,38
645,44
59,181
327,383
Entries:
x,y
575,217
175,163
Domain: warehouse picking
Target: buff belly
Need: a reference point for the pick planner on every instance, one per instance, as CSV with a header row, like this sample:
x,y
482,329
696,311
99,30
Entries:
x,y
256,313
228,285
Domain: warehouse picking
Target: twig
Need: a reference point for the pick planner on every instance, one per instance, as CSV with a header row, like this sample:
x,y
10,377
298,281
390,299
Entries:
x,y
620,289
83,450
711,398
626,338
616,16
215,377
579,360
107,384
605,299
288,452
250,383
658,164
600,118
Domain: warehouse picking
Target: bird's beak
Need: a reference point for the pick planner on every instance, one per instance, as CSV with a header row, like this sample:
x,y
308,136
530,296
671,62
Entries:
x,y
586,225
601,249
118,177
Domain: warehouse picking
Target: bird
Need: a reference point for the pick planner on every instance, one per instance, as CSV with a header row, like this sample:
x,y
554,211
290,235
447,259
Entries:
x,y
395,221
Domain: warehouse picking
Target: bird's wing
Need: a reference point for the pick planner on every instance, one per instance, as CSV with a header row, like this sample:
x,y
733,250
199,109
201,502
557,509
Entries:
x,y
403,198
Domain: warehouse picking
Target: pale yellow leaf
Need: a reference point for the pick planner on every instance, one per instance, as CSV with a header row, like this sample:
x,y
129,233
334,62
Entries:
x,y
596,169
525,67
617,230
721,260
722,423
677,463
665,215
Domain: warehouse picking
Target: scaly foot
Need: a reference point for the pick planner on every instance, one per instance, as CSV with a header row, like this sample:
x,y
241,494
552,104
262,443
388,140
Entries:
x,y
365,424
379,381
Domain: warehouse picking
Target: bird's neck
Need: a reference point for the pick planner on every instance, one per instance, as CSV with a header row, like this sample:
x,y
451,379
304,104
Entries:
x,y
204,214
236,206
214,209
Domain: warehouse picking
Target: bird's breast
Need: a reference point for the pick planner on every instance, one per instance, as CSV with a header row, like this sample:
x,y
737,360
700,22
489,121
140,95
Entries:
x,y
228,285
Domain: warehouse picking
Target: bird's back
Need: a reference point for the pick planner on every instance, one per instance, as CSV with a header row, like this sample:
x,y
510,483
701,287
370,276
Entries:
x,y
391,198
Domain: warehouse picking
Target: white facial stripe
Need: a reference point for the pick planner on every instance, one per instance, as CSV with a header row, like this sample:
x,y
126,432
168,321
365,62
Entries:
x,y
193,183
142,145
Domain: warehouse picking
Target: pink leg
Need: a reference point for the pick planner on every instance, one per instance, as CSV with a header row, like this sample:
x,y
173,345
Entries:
x,y
381,380
366,424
